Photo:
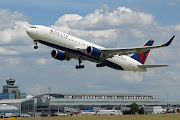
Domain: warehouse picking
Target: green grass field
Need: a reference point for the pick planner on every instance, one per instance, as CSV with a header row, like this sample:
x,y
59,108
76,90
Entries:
x,y
119,117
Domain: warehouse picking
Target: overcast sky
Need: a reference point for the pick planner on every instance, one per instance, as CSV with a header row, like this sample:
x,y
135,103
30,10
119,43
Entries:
x,y
109,23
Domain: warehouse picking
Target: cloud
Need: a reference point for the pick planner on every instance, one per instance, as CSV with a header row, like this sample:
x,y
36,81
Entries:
x,y
36,89
13,61
12,27
4,51
67,18
15,34
9,19
177,27
103,19
14,41
132,77
43,61
171,3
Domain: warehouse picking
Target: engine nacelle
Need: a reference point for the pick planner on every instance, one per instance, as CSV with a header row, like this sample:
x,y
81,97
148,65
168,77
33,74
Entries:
x,y
59,55
93,51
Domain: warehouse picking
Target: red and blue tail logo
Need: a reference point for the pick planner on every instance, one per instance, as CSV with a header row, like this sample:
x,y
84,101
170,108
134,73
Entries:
x,y
141,57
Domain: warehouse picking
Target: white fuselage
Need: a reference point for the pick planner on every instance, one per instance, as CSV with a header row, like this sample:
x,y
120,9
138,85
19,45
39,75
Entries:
x,y
75,46
106,112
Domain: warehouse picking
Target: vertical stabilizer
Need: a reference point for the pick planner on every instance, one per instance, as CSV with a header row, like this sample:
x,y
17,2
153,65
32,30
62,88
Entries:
x,y
141,57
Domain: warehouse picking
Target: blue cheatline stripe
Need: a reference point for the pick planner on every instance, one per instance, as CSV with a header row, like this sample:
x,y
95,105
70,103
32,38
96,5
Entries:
x,y
112,65
69,50
82,55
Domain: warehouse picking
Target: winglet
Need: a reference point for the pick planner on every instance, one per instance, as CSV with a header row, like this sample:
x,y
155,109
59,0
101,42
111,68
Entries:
x,y
169,42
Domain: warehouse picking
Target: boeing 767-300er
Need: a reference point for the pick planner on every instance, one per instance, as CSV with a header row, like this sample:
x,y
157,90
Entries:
x,y
68,47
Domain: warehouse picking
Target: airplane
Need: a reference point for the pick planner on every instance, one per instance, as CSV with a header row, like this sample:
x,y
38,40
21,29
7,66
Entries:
x,y
109,112
69,47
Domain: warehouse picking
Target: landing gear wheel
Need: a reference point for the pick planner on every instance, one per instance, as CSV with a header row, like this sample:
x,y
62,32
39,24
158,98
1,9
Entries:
x,y
97,65
100,65
79,66
35,47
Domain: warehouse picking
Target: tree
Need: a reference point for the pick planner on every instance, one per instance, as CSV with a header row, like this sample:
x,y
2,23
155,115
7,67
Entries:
x,y
126,112
134,108
141,111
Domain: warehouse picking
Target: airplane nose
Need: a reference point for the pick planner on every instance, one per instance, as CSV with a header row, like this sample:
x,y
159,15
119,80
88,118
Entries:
x,y
31,32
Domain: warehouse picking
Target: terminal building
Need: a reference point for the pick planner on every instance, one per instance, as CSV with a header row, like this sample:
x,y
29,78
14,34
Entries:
x,y
11,91
86,101
43,105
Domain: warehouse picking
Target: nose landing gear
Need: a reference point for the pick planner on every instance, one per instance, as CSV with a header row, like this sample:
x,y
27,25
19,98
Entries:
x,y
36,47
35,42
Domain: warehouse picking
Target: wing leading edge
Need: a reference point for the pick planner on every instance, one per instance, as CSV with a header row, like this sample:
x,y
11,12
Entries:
x,y
125,51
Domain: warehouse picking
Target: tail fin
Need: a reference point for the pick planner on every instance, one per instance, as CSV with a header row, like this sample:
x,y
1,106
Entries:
x,y
114,108
141,57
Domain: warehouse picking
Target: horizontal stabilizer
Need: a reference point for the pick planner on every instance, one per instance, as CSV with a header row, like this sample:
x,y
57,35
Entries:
x,y
151,66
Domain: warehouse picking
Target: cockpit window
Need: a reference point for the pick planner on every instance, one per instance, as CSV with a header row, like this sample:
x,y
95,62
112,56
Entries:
x,y
33,27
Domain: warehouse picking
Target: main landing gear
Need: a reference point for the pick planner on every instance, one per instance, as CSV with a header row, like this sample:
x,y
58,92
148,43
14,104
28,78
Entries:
x,y
79,66
35,42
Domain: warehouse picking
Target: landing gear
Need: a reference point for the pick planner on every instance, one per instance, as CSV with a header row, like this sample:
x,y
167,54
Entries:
x,y
79,66
100,65
35,42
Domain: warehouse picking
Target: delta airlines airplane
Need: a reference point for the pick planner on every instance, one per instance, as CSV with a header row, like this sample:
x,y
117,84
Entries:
x,y
68,47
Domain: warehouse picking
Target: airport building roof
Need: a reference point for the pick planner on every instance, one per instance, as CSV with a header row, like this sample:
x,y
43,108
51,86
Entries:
x,y
6,101
8,107
103,94
97,94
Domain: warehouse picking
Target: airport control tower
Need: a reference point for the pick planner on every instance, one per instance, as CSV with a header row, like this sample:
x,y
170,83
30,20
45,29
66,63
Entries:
x,y
11,88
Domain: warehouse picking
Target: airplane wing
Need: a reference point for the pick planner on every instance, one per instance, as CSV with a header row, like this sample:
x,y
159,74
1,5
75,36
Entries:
x,y
124,51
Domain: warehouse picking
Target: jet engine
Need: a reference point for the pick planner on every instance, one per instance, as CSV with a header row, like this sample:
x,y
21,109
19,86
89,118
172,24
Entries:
x,y
59,55
94,52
